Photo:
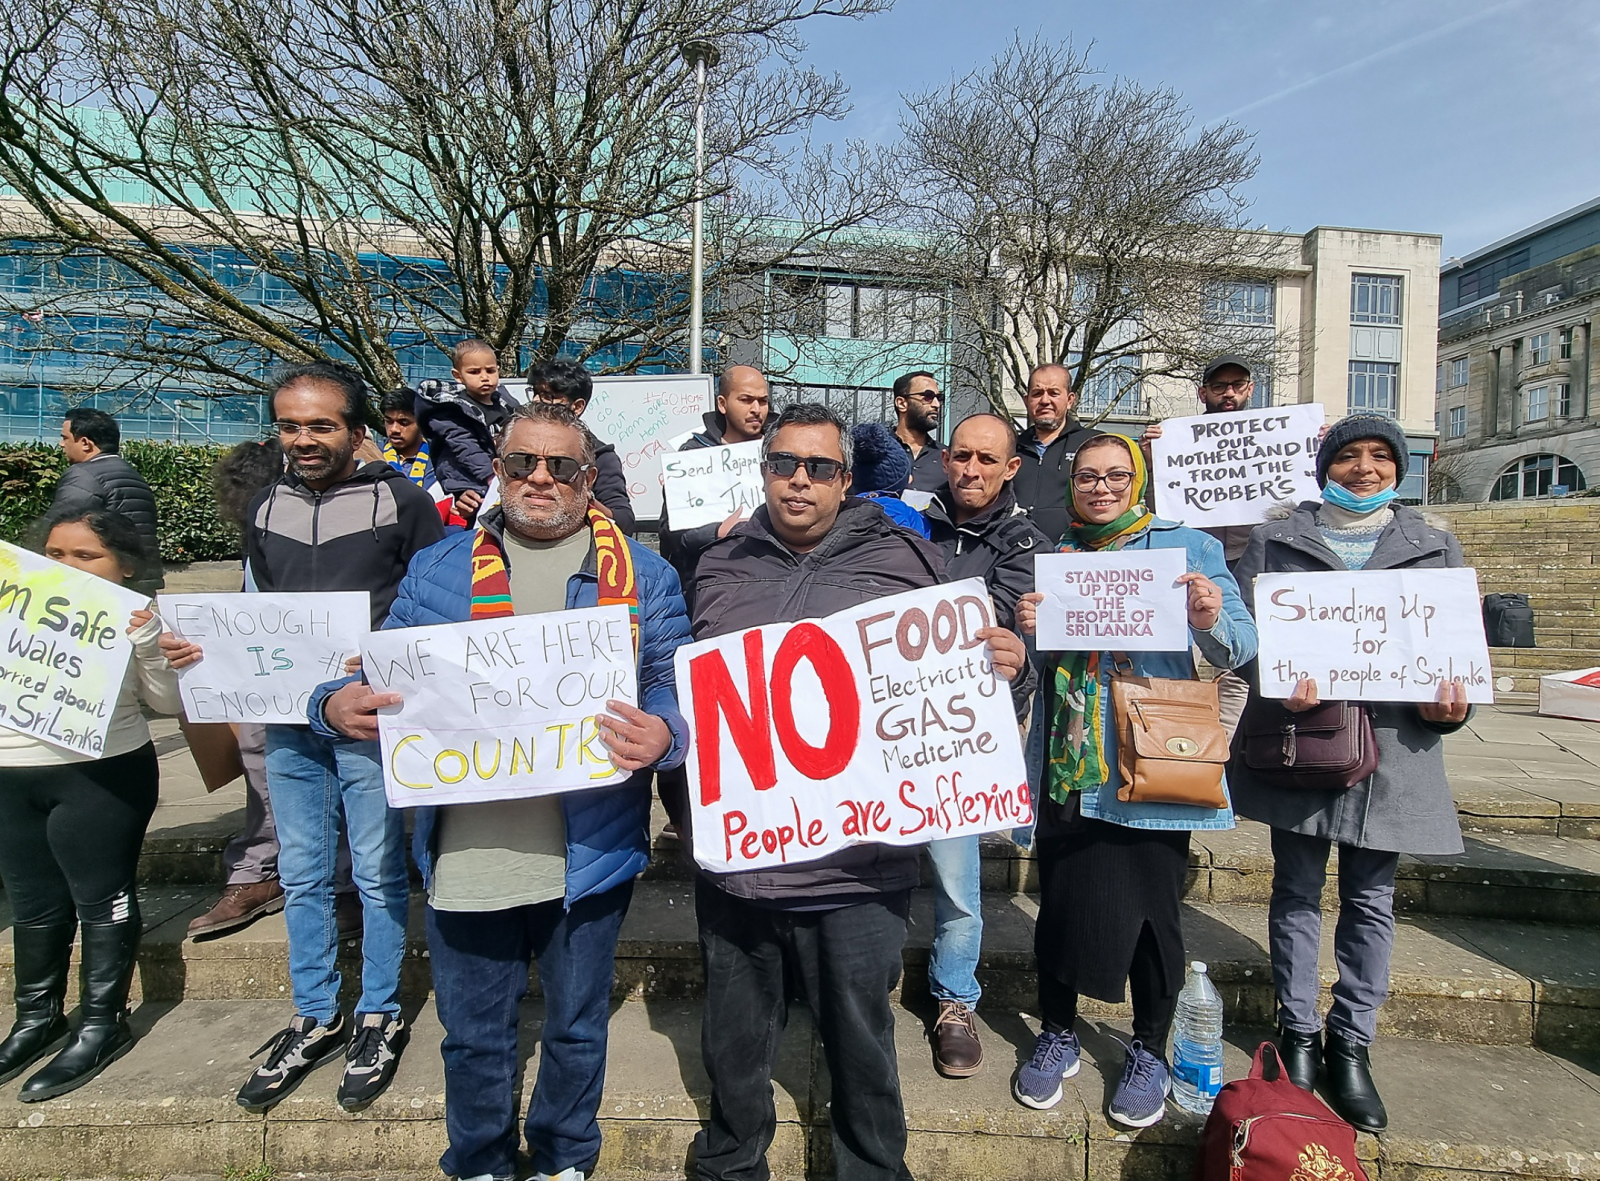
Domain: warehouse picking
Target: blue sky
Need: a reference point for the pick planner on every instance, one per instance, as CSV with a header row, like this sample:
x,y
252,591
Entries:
x,y
1467,118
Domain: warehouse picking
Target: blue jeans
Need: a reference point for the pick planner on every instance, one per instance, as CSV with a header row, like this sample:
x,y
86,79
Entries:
x,y
480,975
320,787
957,920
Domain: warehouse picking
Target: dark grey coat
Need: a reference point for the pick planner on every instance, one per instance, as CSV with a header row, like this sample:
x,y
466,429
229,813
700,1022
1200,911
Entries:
x,y
1405,806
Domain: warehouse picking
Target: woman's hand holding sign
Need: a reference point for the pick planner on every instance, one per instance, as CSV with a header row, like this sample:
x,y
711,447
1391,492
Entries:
x,y
1450,709
1205,602
1028,612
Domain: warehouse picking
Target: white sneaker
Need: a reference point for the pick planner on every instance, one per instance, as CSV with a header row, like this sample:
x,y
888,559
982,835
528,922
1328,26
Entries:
x,y
563,1175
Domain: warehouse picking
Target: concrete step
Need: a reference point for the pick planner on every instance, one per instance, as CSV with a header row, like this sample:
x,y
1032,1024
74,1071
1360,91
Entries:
x,y
1491,981
1462,1113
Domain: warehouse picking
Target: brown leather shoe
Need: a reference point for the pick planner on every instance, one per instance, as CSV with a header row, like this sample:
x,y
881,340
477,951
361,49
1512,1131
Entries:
x,y
347,914
956,1052
238,906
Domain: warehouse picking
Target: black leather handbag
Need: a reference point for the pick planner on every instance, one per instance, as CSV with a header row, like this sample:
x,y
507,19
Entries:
x,y
1330,747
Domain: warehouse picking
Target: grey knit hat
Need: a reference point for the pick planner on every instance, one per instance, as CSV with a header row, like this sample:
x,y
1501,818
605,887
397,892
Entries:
x,y
1363,426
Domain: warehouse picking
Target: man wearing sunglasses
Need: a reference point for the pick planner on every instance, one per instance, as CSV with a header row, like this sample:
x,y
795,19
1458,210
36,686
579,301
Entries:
x,y
835,926
917,404
546,879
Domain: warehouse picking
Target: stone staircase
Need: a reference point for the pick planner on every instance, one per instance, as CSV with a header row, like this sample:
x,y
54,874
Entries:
x,y
1489,1053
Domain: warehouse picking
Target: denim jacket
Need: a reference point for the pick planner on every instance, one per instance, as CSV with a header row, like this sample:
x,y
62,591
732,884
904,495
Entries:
x,y
1230,643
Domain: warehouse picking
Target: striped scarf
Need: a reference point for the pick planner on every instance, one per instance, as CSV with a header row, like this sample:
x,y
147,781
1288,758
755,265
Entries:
x,y
414,469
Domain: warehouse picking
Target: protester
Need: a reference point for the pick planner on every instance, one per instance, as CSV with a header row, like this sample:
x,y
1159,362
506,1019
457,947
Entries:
x,y
980,532
547,878
404,448
461,425
71,827
97,477
1404,806
1043,484
833,928
331,524
882,470
917,402
1112,872
567,383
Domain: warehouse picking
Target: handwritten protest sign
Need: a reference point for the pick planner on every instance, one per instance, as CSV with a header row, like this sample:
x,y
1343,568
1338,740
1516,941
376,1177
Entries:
x,y
1229,469
66,650
264,653
1373,635
500,709
1127,601
883,723
703,487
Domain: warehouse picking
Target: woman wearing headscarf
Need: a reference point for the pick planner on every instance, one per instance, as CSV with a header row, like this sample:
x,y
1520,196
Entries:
x,y
1112,872
1404,806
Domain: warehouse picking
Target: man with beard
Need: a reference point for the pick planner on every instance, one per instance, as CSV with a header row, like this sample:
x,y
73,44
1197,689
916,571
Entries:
x,y
547,878
917,402
1043,482
332,524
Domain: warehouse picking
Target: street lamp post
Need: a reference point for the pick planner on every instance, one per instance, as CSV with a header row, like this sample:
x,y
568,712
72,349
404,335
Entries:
x,y
702,55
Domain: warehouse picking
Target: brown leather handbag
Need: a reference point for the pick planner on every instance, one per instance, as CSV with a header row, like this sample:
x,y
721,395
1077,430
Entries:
x,y
1171,746
1329,747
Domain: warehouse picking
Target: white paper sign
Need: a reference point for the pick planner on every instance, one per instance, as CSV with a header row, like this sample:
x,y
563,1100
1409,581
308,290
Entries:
x,y
264,653
500,709
1127,601
1373,635
917,499
66,650
705,486
1229,469
884,723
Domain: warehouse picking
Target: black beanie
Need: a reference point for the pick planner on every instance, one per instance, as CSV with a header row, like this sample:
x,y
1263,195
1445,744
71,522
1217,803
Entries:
x,y
1363,426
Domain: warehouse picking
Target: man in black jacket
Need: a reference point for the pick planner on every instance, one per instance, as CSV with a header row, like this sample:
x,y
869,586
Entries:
x,y
568,384
99,478
1043,482
834,926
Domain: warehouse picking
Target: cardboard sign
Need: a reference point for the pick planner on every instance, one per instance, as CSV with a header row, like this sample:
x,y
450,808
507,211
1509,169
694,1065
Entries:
x,y
1127,601
1373,635
500,709
884,723
1229,469
706,486
66,650
264,653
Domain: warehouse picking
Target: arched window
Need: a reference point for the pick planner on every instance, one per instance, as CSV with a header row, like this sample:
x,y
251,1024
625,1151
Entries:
x,y
1533,475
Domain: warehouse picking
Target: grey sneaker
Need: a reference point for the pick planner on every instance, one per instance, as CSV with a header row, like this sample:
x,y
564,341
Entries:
x,y
1055,1057
374,1055
291,1056
1141,1098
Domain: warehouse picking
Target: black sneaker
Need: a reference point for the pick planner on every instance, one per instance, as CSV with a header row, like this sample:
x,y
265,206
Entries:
x,y
372,1058
291,1055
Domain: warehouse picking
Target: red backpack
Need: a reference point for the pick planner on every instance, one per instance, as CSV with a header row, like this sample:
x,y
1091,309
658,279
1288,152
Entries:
x,y
1264,1128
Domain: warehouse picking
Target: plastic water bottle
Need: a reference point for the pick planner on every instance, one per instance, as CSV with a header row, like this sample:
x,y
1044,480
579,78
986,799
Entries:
x,y
1197,1043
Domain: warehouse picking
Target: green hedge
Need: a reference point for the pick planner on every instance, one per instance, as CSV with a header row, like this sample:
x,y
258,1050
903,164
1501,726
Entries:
x,y
178,473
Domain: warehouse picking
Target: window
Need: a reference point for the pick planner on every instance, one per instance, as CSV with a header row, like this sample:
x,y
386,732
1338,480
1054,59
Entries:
x,y
1537,404
1374,388
1539,349
1459,369
1533,475
1438,385
1458,422
1241,303
1375,299
1566,344
852,311
1561,400
1484,281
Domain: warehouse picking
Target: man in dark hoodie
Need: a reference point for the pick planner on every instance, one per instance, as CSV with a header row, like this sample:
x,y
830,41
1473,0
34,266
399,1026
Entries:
x,y
332,524
1043,482
835,926
567,383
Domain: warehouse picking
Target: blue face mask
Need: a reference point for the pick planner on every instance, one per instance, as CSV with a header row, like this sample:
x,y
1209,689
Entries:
x,y
1341,497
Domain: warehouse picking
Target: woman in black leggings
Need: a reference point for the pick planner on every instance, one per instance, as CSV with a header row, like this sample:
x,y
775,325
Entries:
x,y
70,830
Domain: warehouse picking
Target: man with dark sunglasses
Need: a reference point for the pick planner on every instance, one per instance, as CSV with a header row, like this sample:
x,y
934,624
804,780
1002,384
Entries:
x,y
917,404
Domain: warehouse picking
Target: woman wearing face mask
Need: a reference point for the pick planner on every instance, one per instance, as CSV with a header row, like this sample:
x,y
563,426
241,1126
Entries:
x,y
1111,872
71,826
1404,806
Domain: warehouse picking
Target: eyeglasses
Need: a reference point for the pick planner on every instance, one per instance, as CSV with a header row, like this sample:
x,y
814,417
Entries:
x,y
926,396
317,430
818,467
1117,481
520,465
1222,387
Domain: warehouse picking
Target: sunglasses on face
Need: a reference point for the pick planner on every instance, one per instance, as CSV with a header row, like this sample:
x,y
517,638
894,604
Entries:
x,y
520,465
1116,481
818,467
929,396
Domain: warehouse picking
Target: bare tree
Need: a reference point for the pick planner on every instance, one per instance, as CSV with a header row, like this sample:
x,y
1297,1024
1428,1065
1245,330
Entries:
x,y
295,179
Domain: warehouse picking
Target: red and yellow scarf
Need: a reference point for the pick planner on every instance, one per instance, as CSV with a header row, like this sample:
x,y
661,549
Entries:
x,y
491,580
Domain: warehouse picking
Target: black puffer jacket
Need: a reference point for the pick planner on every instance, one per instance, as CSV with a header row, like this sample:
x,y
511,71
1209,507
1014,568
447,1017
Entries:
x,y
1043,485
110,482
750,578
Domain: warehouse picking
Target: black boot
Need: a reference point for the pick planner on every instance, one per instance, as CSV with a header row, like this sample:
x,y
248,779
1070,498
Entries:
x,y
102,1035
1351,1091
42,958
1301,1055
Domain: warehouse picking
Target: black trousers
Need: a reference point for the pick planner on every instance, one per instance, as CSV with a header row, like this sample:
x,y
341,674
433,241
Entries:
x,y
844,962
1154,1000
70,836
